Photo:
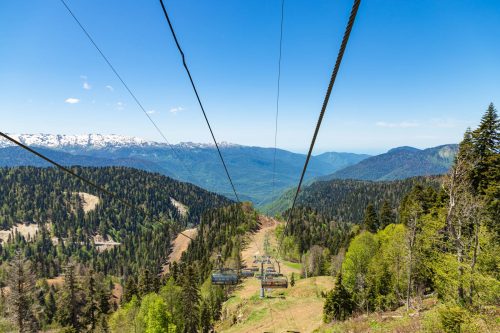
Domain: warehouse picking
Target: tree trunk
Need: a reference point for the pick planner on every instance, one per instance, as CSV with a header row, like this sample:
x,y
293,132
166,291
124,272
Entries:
x,y
410,264
473,263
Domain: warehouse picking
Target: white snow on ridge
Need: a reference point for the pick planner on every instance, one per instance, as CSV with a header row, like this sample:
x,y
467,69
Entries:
x,y
95,141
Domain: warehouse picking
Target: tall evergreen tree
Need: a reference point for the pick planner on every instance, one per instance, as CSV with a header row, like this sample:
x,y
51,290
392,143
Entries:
x,y
51,306
129,290
486,171
21,282
387,215
205,318
70,300
339,304
91,303
371,222
486,140
190,301
145,284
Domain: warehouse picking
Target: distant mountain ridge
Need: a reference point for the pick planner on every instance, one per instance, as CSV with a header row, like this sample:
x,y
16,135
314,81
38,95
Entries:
x,y
400,163
95,141
251,167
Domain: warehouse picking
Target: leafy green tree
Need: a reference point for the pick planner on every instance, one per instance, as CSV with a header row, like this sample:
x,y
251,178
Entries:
x,y
124,320
171,294
371,222
355,268
153,315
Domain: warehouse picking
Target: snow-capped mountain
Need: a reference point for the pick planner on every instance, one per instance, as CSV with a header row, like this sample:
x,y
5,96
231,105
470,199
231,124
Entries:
x,y
96,141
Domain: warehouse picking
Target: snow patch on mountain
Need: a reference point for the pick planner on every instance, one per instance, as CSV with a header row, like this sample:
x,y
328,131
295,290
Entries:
x,y
96,141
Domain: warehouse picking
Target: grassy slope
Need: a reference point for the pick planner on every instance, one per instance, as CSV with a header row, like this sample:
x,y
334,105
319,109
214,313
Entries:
x,y
298,308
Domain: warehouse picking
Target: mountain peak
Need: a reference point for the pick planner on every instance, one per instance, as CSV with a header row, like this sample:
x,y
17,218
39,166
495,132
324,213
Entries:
x,y
403,149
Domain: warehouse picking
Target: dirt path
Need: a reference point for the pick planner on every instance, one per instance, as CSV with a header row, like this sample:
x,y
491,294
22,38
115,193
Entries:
x,y
180,245
297,308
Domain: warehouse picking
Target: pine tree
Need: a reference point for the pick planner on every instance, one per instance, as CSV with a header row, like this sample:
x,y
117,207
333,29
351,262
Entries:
x,y
70,300
130,289
387,215
371,222
339,304
103,298
145,284
486,172
51,307
91,307
21,282
190,301
205,320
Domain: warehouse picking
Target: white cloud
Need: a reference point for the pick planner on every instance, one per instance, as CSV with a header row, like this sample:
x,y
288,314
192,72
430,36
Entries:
x,y
86,86
120,106
151,112
445,122
110,88
72,100
177,109
83,77
403,124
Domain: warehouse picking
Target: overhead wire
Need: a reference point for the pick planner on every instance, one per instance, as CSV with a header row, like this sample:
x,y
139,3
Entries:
x,y
83,179
198,97
134,97
340,55
278,96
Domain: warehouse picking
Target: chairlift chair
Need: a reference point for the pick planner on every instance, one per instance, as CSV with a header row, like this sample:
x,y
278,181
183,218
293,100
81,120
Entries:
x,y
224,276
269,282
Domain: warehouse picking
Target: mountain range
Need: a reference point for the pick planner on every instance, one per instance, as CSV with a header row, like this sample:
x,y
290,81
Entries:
x,y
400,163
250,167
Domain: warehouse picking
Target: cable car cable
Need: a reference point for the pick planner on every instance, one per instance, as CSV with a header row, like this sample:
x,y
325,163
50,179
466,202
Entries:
x,y
83,179
198,97
278,96
340,55
110,65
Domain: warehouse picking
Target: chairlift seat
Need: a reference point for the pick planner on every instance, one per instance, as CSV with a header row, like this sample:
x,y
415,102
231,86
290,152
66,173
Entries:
x,y
224,277
274,282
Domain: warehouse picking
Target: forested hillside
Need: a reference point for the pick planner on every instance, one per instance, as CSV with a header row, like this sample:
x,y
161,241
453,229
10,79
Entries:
x,y
199,164
49,200
345,200
400,163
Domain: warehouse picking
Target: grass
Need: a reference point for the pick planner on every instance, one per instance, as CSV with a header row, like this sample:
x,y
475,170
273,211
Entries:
x,y
294,265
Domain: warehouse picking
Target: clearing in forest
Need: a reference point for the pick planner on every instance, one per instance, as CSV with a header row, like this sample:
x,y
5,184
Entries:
x,y
89,201
179,246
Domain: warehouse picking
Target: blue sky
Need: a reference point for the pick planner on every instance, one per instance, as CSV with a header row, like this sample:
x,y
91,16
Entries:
x,y
415,72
